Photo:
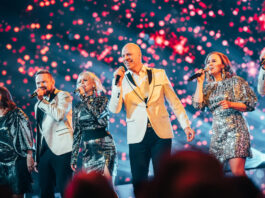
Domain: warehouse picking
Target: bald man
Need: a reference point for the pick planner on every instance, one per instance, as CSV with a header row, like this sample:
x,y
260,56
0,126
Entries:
x,y
143,91
261,78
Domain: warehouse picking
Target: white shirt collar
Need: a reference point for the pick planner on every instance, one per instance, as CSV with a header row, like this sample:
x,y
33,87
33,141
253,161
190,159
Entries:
x,y
142,71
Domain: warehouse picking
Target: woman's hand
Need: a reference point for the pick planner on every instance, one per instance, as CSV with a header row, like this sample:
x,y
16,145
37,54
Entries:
x,y
73,167
233,105
201,78
81,90
226,104
30,162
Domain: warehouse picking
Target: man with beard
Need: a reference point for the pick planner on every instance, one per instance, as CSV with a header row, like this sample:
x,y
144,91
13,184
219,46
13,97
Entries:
x,y
261,78
143,91
53,112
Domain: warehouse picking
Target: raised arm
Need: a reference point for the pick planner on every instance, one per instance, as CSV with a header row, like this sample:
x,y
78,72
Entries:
x,y
198,100
115,103
77,139
60,109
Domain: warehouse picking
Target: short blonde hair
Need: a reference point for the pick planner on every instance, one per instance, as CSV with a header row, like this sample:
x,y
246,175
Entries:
x,y
98,85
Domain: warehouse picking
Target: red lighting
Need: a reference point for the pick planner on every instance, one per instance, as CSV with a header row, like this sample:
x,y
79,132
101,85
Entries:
x,y
29,8
49,26
4,72
26,57
8,46
16,29
54,64
67,78
77,36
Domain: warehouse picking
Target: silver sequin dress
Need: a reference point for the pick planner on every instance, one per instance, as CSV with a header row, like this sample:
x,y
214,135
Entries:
x,y
90,122
230,138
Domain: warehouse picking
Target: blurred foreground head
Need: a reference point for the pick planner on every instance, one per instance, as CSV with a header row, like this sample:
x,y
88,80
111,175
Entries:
x,y
186,169
194,174
89,185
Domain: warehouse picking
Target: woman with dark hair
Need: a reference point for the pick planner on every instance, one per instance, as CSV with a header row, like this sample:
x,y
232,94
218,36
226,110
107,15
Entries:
x,y
90,123
227,96
16,146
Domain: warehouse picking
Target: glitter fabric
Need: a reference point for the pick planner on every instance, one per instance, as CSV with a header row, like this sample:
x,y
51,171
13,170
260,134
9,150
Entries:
x,y
230,137
90,119
15,140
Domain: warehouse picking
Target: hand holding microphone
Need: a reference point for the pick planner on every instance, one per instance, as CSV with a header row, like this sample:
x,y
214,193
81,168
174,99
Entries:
x,y
79,91
119,75
33,95
39,93
262,63
200,75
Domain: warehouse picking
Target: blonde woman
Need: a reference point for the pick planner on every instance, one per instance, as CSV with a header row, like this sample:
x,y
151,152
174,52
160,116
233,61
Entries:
x,y
90,122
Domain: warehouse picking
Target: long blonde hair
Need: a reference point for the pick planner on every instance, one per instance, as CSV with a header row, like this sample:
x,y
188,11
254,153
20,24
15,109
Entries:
x,y
227,66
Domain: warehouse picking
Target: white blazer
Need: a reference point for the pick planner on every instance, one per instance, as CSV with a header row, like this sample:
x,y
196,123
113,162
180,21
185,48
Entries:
x,y
137,111
56,126
261,82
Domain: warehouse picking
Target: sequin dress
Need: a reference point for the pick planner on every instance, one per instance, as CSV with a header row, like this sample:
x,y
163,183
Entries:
x,y
15,139
230,138
90,122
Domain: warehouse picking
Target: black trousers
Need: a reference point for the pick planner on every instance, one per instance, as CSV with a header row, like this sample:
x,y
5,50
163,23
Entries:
x,y
151,147
53,170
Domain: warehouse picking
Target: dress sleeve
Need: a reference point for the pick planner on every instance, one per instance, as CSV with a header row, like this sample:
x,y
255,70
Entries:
x,y
202,105
23,137
77,136
244,94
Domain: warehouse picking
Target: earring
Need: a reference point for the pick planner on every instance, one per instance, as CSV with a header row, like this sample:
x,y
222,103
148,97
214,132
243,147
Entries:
x,y
223,73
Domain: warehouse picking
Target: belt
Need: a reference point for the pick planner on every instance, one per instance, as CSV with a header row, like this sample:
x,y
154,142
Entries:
x,y
94,134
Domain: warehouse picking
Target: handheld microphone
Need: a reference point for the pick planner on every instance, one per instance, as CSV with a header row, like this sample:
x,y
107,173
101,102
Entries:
x,y
198,74
33,95
117,79
118,76
262,62
76,91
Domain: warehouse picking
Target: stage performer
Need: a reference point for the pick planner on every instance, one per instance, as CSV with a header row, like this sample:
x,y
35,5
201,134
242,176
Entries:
x,y
227,96
143,91
54,134
16,146
90,123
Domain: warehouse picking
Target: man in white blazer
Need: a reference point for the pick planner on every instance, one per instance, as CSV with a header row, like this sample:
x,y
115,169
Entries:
x,y
143,92
261,78
53,112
